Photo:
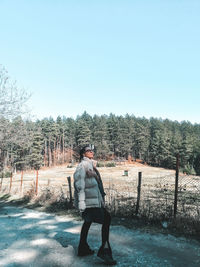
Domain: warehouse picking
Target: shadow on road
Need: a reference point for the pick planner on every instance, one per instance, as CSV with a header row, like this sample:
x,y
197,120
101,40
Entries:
x,y
40,239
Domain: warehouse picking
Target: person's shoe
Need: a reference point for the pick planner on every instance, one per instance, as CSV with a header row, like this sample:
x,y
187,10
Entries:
x,y
84,250
106,255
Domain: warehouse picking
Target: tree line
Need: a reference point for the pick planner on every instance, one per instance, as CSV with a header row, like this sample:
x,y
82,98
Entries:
x,y
48,142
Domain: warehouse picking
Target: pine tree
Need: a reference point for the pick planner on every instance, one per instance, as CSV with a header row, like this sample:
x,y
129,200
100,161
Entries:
x,y
156,147
35,157
99,137
49,134
186,147
197,163
69,135
21,143
113,130
124,137
83,133
141,138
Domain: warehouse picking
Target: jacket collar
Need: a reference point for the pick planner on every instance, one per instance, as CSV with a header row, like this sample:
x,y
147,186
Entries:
x,y
87,159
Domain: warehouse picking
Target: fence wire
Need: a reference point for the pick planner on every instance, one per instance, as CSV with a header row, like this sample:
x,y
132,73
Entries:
x,y
156,196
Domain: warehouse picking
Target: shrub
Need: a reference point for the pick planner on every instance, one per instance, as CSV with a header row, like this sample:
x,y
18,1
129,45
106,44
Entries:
x,y
5,174
100,164
110,164
197,164
188,169
69,166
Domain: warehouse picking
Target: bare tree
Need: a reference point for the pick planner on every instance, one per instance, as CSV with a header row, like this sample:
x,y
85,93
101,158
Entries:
x,y
12,99
12,102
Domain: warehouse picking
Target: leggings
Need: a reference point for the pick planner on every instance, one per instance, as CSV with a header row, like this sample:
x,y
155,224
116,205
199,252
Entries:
x,y
104,230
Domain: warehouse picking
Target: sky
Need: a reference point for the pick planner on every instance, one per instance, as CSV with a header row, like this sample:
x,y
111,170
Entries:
x,y
110,56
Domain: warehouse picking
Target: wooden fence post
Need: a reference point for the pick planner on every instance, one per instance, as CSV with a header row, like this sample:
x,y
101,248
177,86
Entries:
x,y
138,191
176,185
70,189
1,182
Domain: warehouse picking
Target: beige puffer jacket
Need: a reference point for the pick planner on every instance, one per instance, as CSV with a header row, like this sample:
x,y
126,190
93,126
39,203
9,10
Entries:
x,y
86,190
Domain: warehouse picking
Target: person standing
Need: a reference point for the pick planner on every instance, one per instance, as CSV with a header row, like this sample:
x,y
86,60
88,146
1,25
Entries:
x,y
89,199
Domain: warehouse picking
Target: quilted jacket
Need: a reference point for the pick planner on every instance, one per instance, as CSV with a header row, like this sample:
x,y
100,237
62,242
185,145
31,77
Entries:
x,y
86,189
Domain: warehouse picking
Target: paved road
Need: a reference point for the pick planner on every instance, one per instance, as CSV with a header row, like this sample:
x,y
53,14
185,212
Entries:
x,y
38,239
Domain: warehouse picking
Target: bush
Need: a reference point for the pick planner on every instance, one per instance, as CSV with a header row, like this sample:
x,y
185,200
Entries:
x,y
69,166
197,164
110,164
5,174
188,169
100,164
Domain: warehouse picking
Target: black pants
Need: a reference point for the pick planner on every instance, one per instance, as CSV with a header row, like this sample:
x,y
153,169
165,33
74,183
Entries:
x,y
104,231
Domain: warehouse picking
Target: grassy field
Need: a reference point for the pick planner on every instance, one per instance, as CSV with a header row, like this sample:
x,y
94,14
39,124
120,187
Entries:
x,y
113,177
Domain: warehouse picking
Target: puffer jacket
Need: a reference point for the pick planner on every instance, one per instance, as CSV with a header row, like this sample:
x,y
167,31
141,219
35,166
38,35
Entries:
x,y
86,189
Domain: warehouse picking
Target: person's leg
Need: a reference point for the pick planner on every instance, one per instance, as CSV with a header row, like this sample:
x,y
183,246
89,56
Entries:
x,y
84,232
105,252
83,248
105,230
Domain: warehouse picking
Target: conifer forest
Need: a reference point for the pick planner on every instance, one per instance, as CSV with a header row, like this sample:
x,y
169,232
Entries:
x,y
48,142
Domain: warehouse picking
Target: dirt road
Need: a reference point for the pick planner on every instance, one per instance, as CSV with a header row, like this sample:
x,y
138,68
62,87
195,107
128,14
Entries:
x,y
38,239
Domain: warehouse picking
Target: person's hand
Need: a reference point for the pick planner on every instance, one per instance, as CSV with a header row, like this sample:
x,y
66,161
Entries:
x,y
81,206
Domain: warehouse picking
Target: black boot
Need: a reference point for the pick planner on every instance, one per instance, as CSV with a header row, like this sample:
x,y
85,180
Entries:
x,y
106,255
84,250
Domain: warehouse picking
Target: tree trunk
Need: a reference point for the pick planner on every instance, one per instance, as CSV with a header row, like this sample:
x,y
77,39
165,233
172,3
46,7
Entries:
x,y
45,153
71,147
63,147
50,156
54,153
59,150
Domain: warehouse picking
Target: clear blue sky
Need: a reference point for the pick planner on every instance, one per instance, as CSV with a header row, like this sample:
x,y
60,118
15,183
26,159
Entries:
x,y
137,57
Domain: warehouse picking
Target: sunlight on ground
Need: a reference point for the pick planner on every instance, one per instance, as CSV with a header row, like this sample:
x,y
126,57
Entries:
x,y
50,227
27,226
52,235
17,215
63,219
47,222
37,242
33,215
73,230
20,256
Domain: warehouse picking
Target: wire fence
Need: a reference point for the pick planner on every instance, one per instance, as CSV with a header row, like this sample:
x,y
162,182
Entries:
x,y
156,197
152,197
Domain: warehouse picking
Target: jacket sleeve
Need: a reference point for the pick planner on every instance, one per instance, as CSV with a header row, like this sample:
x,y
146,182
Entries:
x,y
79,184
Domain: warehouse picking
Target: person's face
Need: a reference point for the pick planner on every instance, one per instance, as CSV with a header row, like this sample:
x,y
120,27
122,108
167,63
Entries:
x,y
89,154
